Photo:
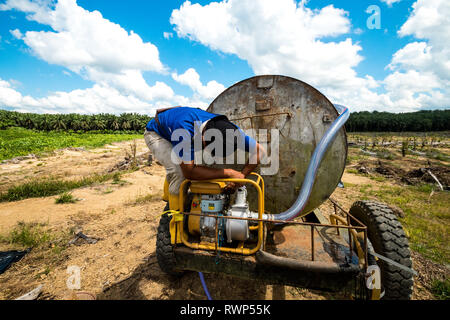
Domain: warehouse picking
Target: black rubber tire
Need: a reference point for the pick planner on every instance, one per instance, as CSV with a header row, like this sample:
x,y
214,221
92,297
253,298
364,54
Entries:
x,y
164,249
388,238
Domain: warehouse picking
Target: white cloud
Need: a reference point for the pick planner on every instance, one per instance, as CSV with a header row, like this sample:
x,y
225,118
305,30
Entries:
x,y
430,21
93,47
98,99
423,68
8,96
390,2
358,31
280,37
16,33
85,40
93,100
413,55
286,37
271,34
98,50
192,79
37,10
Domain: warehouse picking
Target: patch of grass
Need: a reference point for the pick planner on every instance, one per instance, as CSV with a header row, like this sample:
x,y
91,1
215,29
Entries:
x,y
108,191
145,199
50,186
117,179
66,197
378,178
386,154
352,157
15,142
424,188
437,155
365,188
132,155
28,235
426,220
45,272
441,289
349,185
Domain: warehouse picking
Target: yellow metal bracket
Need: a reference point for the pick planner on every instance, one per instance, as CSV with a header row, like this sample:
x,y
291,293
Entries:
x,y
179,236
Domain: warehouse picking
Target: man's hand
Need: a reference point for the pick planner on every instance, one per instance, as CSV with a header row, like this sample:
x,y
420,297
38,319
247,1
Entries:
x,y
233,174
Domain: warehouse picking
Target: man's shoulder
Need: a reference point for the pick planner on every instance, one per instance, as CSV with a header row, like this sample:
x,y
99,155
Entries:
x,y
189,113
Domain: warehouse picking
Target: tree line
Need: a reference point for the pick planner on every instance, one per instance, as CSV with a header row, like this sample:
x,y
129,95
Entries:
x,y
421,121
126,122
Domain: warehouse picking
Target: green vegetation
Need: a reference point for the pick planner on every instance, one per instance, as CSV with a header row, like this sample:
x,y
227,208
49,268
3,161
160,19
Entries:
x,y
52,186
441,289
16,142
397,146
426,220
378,178
422,121
66,197
385,154
117,178
38,235
106,123
28,235
145,199
437,155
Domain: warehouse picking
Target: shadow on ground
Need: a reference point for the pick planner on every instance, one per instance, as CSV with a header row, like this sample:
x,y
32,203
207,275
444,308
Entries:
x,y
149,282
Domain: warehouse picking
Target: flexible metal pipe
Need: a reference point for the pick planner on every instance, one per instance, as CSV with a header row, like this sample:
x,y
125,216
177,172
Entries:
x,y
316,159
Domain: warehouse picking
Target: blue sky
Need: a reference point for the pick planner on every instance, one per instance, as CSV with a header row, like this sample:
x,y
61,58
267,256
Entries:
x,y
149,19
359,77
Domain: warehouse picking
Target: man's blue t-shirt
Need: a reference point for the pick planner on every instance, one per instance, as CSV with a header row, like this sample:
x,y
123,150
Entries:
x,y
185,118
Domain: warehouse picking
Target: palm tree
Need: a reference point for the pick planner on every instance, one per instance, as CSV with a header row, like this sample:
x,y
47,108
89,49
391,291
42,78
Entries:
x,y
58,123
44,123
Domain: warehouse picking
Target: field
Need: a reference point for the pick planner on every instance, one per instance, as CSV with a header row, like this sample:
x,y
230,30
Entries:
x,y
407,183
15,142
110,193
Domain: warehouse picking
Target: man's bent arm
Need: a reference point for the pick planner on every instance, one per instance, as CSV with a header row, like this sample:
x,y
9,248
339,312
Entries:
x,y
200,173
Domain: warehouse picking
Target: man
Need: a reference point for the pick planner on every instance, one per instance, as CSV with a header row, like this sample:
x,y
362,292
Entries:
x,y
162,139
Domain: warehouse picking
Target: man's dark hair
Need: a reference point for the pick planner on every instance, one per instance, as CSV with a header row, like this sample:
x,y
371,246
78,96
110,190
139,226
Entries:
x,y
222,124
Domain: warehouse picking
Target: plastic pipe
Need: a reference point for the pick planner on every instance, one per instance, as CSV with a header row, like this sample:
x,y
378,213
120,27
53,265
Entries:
x,y
316,159
205,288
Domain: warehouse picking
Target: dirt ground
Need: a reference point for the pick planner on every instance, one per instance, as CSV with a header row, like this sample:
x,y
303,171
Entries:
x,y
122,264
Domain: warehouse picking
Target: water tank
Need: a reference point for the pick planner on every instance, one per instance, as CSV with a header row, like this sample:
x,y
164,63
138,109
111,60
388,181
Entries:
x,y
302,115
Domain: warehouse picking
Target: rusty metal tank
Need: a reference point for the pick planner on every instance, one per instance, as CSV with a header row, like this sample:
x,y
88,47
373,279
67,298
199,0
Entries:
x,y
302,115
